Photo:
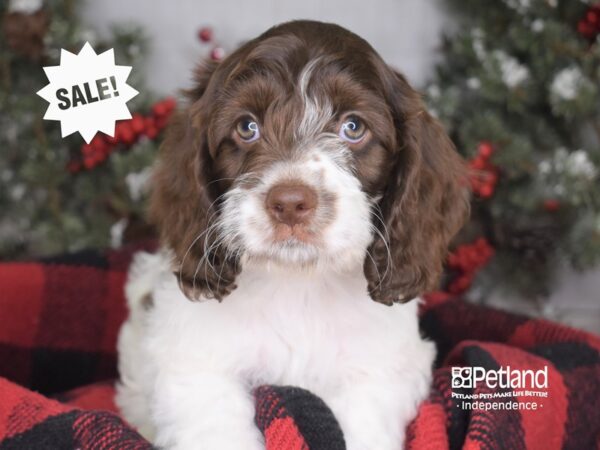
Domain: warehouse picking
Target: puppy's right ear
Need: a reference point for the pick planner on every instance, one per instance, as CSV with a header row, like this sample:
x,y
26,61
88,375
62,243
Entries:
x,y
425,204
182,205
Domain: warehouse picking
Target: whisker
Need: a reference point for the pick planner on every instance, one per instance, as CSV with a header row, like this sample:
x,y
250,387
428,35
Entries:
x,y
220,179
200,261
228,250
385,239
380,218
389,261
196,240
376,268
187,253
205,256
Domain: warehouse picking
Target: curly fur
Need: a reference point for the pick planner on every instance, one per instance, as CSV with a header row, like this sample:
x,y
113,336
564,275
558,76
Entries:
x,y
295,301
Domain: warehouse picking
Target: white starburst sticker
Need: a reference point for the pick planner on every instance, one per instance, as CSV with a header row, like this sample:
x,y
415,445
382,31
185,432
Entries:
x,y
87,92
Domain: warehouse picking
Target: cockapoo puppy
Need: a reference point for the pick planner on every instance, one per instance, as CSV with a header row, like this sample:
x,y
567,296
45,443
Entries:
x,y
303,196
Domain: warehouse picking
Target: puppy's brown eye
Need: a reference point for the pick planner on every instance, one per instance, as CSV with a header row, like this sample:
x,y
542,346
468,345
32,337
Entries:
x,y
353,129
247,129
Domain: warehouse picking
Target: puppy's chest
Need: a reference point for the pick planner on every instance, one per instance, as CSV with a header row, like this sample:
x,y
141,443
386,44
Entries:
x,y
306,330
299,346
281,329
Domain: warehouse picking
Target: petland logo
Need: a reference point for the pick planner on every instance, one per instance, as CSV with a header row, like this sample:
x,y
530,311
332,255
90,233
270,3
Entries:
x,y
503,378
505,388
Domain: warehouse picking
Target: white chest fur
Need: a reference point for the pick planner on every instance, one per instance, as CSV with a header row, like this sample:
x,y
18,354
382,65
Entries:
x,y
318,331
284,328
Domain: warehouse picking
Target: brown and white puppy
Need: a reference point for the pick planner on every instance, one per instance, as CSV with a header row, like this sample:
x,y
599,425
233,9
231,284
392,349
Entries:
x,y
307,189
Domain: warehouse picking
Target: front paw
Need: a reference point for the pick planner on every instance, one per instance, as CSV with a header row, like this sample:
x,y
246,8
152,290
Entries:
x,y
206,411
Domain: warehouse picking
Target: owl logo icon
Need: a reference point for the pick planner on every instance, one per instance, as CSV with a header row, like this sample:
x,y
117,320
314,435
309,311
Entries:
x,y
462,377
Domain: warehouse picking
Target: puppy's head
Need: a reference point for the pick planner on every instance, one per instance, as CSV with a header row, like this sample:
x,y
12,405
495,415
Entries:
x,y
304,149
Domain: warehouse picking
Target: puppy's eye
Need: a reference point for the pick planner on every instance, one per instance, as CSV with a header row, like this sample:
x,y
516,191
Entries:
x,y
247,129
353,129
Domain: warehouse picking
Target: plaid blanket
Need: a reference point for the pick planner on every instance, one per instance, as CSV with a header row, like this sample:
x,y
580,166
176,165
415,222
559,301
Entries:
x,y
59,319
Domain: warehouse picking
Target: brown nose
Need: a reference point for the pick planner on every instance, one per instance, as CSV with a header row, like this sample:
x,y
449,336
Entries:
x,y
291,205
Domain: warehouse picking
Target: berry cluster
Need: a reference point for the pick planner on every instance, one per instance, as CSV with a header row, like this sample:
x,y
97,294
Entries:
x,y
589,25
484,175
551,205
127,132
206,35
466,260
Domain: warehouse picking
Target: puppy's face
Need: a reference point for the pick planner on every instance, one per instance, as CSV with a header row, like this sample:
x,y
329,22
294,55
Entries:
x,y
304,149
303,154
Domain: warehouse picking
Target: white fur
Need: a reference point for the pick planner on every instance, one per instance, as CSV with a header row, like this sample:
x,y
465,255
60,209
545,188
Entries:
x,y
300,315
315,115
188,368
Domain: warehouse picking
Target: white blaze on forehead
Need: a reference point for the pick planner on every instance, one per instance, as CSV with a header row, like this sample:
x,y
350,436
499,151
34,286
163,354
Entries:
x,y
316,114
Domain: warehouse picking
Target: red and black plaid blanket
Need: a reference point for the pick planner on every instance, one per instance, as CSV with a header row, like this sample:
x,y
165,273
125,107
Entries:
x,y
59,320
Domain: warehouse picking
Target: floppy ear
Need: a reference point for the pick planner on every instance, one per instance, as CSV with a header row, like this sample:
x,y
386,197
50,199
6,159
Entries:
x,y
423,207
183,206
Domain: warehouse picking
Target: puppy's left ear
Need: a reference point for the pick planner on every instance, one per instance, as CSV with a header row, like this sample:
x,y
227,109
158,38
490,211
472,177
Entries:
x,y
424,205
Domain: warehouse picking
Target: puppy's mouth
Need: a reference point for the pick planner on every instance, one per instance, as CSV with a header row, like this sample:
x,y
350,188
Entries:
x,y
290,245
293,235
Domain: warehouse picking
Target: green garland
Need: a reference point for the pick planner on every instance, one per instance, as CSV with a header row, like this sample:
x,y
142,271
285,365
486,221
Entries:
x,y
524,75
45,208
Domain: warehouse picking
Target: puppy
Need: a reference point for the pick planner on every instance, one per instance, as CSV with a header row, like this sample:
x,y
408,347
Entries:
x,y
304,197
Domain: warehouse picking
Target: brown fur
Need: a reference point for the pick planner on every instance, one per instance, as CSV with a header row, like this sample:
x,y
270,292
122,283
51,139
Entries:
x,y
408,159
425,204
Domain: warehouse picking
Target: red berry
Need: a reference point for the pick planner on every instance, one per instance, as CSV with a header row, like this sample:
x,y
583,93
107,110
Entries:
x,y
473,254
461,284
127,136
87,149
137,123
593,17
124,133
452,260
486,191
99,145
477,163
159,109
161,122
485,149
551,205
586,29
97,157
88,162
205,34
151,132
217,54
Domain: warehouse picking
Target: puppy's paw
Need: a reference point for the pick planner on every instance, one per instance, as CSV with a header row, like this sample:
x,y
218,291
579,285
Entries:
x,y
368,426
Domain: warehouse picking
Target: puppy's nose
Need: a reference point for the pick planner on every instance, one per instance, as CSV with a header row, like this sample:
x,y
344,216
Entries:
x,y
291,205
